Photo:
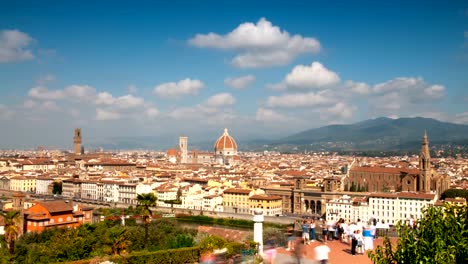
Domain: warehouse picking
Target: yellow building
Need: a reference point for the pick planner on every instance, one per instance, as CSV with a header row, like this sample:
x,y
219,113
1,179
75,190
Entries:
x,y
236,201
23,184
270,204
457,201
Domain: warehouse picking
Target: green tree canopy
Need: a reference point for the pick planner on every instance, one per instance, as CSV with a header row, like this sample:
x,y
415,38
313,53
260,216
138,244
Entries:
x,y
441,236
452,193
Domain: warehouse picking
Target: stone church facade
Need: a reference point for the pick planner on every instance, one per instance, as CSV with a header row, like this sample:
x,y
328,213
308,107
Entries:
x,y
380,179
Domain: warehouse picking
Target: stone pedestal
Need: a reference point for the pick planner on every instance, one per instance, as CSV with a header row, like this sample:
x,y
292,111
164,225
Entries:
x,y
258,229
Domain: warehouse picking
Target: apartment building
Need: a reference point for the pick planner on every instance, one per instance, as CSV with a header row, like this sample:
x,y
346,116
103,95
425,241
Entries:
x,y
271,205
236,201
43,185
23,183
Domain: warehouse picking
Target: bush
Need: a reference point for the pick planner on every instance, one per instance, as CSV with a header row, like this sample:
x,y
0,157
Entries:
x,y
171,256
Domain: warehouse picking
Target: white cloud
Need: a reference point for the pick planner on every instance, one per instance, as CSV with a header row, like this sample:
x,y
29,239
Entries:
x,y
104,98
357,87
269,115
219,100
435,91
339,111
401,84
240,82
182,87
260,45
129,101
404,96
42,93
313,76
80,92
50,105
152,112
14,46
103,114
301,100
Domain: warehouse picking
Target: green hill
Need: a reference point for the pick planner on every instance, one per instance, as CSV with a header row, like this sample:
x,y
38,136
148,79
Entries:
x,y
381,134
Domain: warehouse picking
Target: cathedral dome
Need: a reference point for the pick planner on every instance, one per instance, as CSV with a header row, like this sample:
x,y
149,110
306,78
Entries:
x,y
225,142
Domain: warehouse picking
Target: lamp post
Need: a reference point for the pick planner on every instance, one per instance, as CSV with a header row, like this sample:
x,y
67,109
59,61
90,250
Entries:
x,y
258,219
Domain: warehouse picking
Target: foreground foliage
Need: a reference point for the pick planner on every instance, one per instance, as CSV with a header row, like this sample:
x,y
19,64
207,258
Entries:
x,y
441,236
103,239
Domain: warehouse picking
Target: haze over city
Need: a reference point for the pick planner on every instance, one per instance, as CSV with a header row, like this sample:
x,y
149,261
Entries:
x,y
262,69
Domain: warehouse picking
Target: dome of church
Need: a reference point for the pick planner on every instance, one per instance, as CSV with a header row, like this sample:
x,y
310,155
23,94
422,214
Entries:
x,y
225,142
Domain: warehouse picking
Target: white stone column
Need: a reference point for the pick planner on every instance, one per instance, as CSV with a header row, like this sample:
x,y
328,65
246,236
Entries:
x,y
258,229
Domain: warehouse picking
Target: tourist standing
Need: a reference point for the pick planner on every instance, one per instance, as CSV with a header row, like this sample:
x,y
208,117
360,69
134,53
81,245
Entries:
x,y
305,232
360,242
312,230
368,238
353,243
324,231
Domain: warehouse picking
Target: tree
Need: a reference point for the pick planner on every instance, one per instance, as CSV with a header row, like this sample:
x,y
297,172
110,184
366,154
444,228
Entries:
x,y
441,236
12,221
57,187
118,240
145,201
452,193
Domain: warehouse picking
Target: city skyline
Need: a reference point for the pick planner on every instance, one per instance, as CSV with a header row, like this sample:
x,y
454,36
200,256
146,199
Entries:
x,y
152,69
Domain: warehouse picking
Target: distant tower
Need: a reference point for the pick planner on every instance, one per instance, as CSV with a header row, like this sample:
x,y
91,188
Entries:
x,y
77,141
18,205
183,149
425,166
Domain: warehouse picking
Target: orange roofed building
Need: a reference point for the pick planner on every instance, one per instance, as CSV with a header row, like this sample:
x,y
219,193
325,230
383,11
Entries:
x,y
50,214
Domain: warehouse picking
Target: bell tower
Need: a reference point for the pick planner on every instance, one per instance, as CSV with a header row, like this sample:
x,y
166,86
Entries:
x,y
77,141
183,149
425,166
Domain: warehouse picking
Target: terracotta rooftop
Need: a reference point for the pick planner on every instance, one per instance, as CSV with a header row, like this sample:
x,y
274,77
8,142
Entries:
x,y
56,206
265,197
237,191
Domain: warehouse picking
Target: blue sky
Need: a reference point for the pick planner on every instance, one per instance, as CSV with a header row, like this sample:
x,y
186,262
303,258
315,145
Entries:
x,y
264,69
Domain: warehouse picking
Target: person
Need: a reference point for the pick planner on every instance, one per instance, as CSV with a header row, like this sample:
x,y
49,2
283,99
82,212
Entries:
x,y
305,232
312,230
270,252
368,238
321,253
208,258
324,231
290,235
331,230
360,242
353,243
299,250
344,226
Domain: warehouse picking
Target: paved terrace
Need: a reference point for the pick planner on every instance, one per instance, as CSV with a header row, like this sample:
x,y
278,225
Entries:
x,y
340,253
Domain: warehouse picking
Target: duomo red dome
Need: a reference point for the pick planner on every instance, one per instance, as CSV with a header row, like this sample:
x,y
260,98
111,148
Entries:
x,y
225,142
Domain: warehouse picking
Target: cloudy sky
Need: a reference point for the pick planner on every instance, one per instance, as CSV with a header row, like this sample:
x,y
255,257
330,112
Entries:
x,y
262,69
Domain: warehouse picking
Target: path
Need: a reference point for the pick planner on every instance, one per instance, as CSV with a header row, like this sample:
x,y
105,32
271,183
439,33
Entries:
x,y
340,253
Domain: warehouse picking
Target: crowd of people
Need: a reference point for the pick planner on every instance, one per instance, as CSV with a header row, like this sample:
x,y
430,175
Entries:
x,y
359,235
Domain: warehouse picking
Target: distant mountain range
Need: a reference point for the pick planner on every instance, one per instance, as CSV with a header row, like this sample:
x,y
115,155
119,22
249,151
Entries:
x,y
379,134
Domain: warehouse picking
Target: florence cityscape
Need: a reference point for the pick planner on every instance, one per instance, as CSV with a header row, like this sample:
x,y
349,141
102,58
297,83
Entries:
x,y
233,132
